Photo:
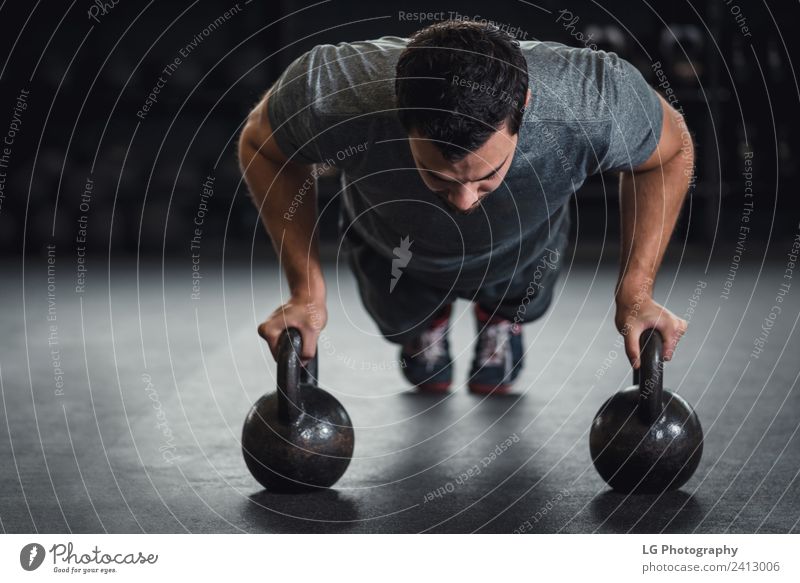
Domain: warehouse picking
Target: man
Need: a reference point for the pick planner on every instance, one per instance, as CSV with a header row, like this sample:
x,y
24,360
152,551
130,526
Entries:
x,y
460,149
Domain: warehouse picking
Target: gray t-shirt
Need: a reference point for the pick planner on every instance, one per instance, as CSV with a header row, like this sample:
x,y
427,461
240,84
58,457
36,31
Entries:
x,y
590,111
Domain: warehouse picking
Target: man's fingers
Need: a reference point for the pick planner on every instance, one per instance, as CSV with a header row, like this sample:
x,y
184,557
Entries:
x,y
670,327
269,332
265,331
632,345
310,336
672,333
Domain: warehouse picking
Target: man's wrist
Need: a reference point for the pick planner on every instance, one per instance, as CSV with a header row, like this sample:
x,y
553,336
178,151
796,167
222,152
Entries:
x,y
634,288
308,298
309,293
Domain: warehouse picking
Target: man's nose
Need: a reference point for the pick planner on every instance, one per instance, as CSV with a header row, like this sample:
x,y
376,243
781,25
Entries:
x,y
462,197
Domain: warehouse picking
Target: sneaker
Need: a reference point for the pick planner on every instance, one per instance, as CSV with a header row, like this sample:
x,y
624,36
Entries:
x,y
426,359
498,354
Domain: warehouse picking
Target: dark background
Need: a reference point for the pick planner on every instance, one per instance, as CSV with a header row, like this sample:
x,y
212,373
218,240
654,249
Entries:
x,y
88,79
82,370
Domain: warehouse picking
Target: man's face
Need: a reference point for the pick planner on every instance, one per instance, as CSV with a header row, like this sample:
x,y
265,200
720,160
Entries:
x,y
463,184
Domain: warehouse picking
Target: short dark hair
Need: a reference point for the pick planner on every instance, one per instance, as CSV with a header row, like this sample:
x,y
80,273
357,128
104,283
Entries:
x,y
458,82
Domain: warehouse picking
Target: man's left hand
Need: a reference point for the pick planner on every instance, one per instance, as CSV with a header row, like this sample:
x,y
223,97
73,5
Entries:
x,y
636,316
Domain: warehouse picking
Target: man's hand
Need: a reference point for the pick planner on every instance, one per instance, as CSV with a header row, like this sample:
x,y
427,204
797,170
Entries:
x,y
637,314
309,317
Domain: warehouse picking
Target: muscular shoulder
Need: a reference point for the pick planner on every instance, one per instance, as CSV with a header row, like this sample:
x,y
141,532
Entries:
x,y
571,84
349,78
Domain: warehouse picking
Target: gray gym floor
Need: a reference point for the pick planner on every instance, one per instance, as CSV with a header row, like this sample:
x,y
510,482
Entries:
x,y
145,437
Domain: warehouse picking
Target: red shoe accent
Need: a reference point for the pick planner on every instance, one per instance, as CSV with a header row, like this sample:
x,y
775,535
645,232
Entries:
x,y
477,389
443,316
433,388
481,314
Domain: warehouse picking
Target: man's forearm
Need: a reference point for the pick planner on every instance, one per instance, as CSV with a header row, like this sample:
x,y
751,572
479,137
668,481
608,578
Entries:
x,y
650,203
287,202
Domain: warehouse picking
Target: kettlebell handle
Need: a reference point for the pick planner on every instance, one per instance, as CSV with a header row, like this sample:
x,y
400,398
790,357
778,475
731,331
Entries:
x,y
650,375
291,373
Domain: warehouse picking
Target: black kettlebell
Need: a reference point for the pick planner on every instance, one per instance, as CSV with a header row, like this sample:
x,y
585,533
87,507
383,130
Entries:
x,y
646,439
299,437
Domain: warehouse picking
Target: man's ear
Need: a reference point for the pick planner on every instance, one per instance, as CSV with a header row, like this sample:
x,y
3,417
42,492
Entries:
x,y
527,98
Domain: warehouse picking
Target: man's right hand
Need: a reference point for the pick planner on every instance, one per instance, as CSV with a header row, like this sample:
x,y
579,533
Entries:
x,y
309,317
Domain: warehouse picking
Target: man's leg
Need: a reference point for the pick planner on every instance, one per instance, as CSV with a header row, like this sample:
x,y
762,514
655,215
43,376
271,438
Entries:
x,y
407,312
500,311
528,294
402,310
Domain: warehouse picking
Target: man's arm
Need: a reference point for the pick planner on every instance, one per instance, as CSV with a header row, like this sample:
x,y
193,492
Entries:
x,y
285,194
650,202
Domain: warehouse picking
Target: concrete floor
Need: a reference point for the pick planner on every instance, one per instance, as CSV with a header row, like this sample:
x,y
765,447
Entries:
x,y
145,437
